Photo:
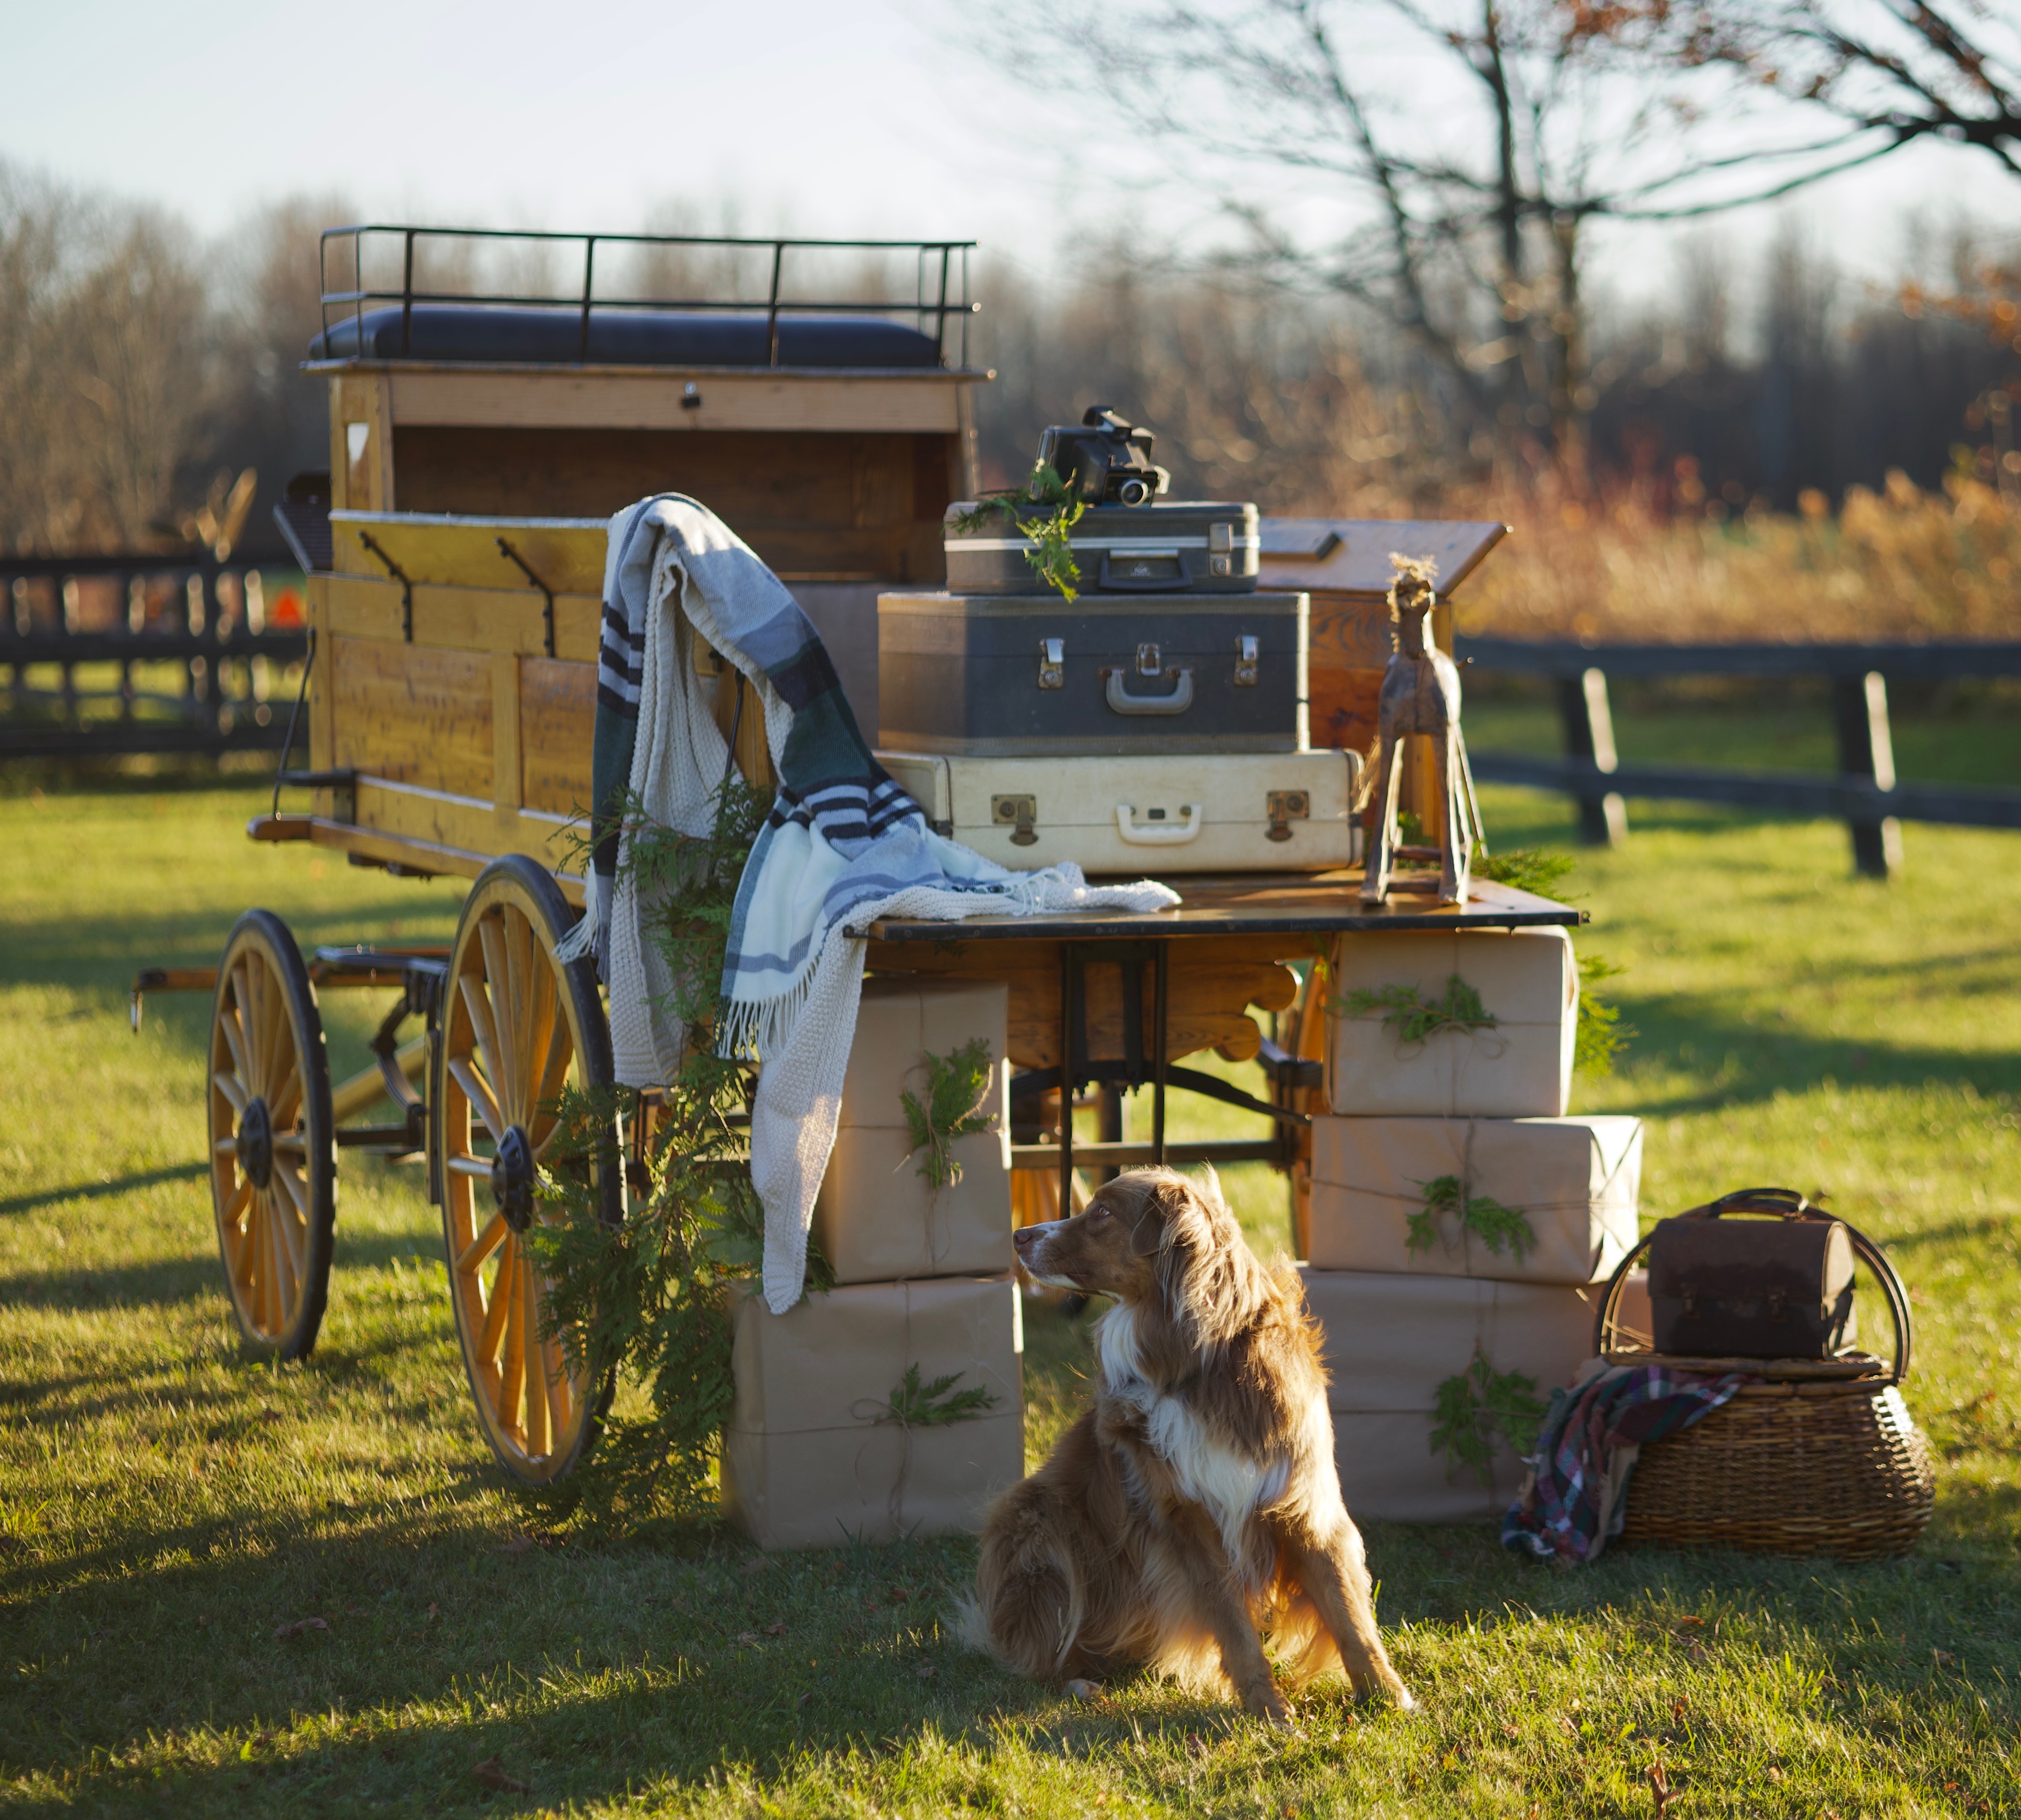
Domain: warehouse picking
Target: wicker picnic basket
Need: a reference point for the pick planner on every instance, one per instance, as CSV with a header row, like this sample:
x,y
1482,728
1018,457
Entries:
x,y
1815,1457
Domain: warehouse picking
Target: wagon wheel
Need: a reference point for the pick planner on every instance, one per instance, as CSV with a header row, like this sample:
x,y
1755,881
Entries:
x,y
517,1026
273,1168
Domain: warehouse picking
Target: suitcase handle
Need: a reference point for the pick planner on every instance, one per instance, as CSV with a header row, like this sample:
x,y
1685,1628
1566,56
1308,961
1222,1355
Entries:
x,y
1108,582
1791,1206
1158,833
1123,702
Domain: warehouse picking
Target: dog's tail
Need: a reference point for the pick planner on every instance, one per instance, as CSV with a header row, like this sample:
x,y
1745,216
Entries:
x,y
1030,1607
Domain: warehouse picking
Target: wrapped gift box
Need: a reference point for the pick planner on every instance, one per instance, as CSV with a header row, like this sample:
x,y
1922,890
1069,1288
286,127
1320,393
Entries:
x,y
1576,1181
876,1218
813,1455
1391,1341
1519,1067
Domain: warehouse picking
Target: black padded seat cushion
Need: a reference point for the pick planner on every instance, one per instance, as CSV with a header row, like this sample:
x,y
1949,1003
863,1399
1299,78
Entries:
x,y
451,332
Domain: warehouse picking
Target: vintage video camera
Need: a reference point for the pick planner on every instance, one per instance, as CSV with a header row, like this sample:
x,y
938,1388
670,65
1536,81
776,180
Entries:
x,y
1103,459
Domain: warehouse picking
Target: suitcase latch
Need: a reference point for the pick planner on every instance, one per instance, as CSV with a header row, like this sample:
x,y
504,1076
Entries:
x,y
1282,808
1052,673
1150,661
1221,552
1245,662
1019,813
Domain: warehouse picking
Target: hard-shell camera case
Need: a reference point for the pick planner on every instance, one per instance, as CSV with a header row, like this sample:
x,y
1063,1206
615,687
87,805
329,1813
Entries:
x,y
1190,546
1752,1289
1008,674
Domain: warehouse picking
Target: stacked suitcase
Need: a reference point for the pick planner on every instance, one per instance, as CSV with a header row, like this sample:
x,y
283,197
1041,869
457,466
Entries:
x,y
828,1439
1460,1223
1156,723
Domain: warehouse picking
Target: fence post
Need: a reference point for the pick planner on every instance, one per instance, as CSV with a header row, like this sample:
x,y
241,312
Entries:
x,y
1589,728
1866,755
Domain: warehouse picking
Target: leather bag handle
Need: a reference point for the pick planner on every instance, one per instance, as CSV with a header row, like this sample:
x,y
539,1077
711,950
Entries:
x,y
1777,1200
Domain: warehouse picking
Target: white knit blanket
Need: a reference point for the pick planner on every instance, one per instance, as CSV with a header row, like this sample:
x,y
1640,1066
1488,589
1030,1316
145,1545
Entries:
x,y
843,846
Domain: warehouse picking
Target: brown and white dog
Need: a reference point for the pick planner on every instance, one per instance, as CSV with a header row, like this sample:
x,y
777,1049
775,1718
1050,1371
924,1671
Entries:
x,y
1196,1504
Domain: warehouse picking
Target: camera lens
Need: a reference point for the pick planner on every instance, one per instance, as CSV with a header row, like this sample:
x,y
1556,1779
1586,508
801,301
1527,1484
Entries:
x,y
1133,492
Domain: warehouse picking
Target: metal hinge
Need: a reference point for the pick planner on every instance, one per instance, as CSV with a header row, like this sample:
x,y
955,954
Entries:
x,y
1020,814
1282,807
1052,664
1245,662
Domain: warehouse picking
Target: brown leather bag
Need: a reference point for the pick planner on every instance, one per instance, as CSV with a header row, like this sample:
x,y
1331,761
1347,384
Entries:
x,y
1721,1288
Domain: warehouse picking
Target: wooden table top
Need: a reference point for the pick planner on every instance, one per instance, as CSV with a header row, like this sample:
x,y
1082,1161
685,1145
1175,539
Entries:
x,y
1258,904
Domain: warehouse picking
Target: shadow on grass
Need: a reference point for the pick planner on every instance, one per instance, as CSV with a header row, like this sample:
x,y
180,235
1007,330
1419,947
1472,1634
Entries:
x,y
99,1191
1750,1063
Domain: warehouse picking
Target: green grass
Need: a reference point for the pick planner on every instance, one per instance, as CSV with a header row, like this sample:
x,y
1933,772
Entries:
x,y
165,1504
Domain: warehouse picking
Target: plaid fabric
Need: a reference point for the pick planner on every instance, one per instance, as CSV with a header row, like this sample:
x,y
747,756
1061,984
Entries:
x,y
1585,1447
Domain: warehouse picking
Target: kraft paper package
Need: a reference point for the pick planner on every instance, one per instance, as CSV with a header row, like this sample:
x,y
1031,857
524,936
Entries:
x,y
1391,1341
815,1454
1575,1182
875,1217
1519,1067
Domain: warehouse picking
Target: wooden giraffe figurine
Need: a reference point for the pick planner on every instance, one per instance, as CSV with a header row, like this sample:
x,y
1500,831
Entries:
x,y
1420,695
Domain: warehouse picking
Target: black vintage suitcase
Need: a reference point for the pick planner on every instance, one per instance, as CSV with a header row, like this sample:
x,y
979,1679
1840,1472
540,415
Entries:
x,y
1005,676
1752,1289
1197,547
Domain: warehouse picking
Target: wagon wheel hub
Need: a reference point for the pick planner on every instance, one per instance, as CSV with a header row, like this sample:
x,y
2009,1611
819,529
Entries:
x,y
512,1175
254,1143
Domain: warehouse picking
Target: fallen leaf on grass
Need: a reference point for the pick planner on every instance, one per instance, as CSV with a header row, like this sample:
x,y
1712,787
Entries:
x,y
1775,1773
924,1671
775,1629
493,1774
1660,1789
435,1610
1680,1706
283,1632
1943,1658
1084,1690
1688,1619
744,1638
1566,1726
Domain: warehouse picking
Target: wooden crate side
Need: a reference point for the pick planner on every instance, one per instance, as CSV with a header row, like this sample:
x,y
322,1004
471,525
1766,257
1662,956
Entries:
x,y
361,442
827,503
557,724
567,398
462,552
414,714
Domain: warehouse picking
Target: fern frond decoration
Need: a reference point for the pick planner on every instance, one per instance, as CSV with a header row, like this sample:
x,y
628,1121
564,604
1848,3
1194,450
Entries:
x,y
937,1405
1476,1406
1498,1227
1048,528
1416,1019
957,1087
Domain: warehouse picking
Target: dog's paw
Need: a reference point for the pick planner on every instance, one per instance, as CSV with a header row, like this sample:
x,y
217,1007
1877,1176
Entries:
x,y
1084,1690
1269,1705
1406,1702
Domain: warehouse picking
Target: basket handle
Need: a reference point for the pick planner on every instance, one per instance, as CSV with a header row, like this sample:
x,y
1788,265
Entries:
x,y
1876,1261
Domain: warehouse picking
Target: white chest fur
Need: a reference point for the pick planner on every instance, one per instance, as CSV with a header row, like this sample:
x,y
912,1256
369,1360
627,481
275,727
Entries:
x,y
1231,1484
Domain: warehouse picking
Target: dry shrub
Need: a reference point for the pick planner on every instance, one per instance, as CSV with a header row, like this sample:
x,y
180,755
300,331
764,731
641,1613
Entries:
x,y
1902,563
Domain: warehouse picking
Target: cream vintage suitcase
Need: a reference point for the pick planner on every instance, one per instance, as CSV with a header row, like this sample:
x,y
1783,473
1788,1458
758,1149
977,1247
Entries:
x,y
1220,812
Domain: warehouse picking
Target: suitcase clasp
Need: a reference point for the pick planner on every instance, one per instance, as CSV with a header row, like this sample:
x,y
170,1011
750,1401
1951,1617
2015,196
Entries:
x,y
1282,808
1052,670
1245,662
1149,661
1019,813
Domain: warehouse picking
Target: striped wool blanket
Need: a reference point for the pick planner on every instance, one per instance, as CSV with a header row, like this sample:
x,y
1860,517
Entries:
x,y
843,845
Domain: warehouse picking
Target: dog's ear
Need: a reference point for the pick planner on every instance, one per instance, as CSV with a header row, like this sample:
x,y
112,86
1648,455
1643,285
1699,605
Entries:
x,y
1147,1237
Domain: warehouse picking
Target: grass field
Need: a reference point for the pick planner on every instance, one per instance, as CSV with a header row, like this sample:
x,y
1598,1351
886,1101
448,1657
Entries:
x,y
167,1507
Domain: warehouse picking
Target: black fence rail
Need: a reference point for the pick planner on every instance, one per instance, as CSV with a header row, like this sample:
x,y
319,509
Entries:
x,y
162,610
1864,794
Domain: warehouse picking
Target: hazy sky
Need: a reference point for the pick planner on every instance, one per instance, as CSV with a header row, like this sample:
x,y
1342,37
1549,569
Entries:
x,y
868,117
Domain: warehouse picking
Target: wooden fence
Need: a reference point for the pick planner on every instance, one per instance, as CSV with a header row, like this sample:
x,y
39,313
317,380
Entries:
x,y
1866,794
150,611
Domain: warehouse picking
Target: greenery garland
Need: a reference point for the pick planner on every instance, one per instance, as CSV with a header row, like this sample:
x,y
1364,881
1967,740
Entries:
x,y
957,1086
1415,1019
651,1298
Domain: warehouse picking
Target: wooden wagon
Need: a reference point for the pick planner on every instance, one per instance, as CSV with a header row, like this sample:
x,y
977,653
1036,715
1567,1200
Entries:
x,y
456,551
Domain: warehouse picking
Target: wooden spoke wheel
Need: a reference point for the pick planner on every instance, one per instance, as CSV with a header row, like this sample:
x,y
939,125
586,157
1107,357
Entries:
x,y
517,1027
273,1162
